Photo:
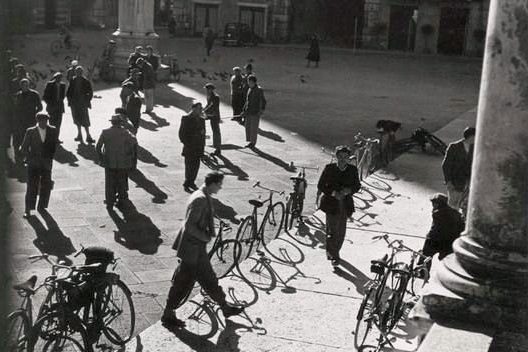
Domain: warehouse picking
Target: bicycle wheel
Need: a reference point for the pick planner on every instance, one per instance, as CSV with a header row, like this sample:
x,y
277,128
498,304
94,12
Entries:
x,y
438,145
16,333
224,257
365,318
55,46
245,237
393,311
75,45
199,319
291,213
272,223
257,273
59,331
118,313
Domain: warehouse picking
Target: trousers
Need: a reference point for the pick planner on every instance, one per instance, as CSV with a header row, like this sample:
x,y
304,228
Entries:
x,y
217,136
186,274
335,231
192,165
252,125
116,184
237,103
56,120
39,184
149,99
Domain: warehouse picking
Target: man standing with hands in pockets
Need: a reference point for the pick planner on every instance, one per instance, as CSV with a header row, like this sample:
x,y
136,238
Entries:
x,y
253,108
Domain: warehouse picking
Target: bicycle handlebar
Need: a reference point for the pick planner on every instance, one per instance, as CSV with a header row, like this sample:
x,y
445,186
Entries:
x,y
398,245
292,165
257,184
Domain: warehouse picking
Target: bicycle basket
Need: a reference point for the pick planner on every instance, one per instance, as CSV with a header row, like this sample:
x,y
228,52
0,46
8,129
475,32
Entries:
x,y
78,293
377,266
99,255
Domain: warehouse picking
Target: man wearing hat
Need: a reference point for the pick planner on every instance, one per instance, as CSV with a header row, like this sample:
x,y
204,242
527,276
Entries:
x,y
237,92
212,111
445,229
457,169
70,72
148,83
38,148
54,95
117,151
27,105
192,135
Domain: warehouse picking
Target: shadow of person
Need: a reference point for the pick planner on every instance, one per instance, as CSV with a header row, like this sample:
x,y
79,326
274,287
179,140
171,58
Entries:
x,y
64,156
224,211
158,196
160,121
271,135
274,159
135,230
151,126
148,158
50,238
167,96
307,236
233,169
353,275
88,152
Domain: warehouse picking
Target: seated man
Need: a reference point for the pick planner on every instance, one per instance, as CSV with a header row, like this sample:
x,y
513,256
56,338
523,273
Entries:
x,y
445,229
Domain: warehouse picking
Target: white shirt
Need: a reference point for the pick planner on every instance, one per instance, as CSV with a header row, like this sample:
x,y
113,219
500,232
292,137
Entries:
x,y
42,132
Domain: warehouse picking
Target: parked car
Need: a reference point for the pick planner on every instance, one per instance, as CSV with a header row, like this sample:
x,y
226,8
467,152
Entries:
x,y
239,34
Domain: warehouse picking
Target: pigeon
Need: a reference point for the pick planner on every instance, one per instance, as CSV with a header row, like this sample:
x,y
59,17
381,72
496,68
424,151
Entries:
x,y
189,60
301,78
250,60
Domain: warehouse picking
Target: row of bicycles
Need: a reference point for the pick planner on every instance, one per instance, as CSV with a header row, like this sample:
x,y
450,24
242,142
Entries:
x,y
83,305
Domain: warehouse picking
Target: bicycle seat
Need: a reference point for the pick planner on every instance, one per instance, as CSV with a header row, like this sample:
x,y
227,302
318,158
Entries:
x,y
401,268
256,203
382,261
296,178
27,286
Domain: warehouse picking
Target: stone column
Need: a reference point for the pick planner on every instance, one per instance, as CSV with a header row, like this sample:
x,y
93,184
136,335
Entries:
x,y
136,27
489,269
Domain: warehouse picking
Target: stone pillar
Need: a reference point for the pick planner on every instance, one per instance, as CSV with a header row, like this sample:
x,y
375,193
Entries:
x,y
489,268
136,27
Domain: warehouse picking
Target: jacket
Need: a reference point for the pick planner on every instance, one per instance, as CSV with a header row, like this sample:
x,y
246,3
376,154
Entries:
x,y
237,85
255,101
80,92
212,110
153,60
148,76
192,135
54,101
197,228
445,229
117,148
334,180
27,104
39,154
457,165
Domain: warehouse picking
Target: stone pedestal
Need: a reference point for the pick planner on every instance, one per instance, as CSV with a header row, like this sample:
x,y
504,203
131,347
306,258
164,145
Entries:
x,y
136,27
488,272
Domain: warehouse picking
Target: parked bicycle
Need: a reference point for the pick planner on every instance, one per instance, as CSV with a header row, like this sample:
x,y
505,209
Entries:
x,y
383,304
295,202
420,138
250,235
171,61
367,155
63,44
103,67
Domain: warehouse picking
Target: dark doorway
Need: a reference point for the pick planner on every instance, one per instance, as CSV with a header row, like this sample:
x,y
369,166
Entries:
x,y
50,10
402,28
254,17
205,15
452,31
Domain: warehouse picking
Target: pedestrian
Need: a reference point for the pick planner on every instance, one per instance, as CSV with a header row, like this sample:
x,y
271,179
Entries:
x,y
38,149
446,227
338,182
70,72
132,104
209,38
152,58
80,94
133,57
248,71
54,95
457,169
171,26
21,74
134,78
313,53
237,93
117,151
194,265
192,135
253,108
149,83
27,105
212,113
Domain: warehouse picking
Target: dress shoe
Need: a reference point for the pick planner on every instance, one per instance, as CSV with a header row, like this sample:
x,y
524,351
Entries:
x,y
229,310
78,138
336,262
250,145
172,322
90,140
27,214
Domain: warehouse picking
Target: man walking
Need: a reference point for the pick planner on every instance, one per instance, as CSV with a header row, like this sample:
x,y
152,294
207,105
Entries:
x,y
253,108
212,111
27,105
190,244
149,83
152,58
237,93
38,148
457,169
54,95
192,135
80,96
133,57
117,151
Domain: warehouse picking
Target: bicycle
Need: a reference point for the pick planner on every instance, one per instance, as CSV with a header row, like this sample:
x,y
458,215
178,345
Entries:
x,y
420,138
58,45
250,233
383,308
103,67
367,155
295,202
171,61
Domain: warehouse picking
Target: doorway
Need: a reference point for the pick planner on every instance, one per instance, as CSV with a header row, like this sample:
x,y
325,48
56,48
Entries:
x,y
452,31
205,15
50,11
254,17
402,28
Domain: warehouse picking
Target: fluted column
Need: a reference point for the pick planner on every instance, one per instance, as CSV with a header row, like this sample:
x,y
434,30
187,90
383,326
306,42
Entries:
x,y
489,267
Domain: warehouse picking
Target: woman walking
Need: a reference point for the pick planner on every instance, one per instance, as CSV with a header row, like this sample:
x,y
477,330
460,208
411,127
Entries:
x,y
313,53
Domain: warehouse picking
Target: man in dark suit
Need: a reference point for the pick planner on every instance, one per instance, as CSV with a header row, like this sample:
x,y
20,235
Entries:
x,y
27,105
148,83
117,151
192,135
38,147
237,93
253,109
212,111
80,94
152,58
445,229
54,95
457,169
194,265
133,57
